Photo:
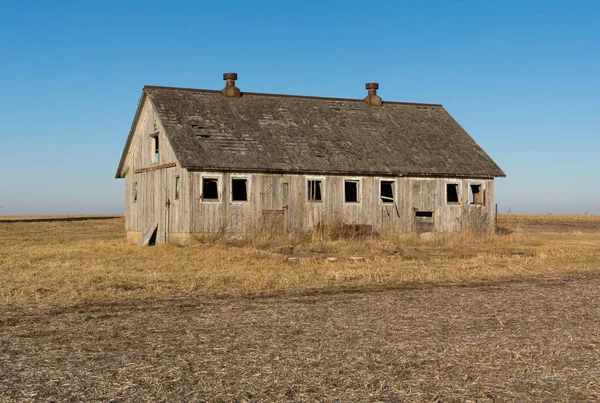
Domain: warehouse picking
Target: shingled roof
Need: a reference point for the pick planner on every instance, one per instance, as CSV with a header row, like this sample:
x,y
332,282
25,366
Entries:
x,y
297,134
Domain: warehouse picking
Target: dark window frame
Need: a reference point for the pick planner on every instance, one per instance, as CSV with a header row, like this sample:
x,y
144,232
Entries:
x,y
358,183
246,179
457,187
217,179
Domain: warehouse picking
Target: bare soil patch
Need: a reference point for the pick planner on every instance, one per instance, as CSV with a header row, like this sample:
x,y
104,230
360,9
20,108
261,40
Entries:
x,y
532,340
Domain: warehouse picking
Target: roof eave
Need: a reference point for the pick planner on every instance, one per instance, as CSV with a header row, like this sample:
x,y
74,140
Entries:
x,y
349,173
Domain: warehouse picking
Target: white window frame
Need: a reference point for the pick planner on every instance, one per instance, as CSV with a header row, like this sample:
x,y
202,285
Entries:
x,y
459,192
481,189
219,179
359,190
315,178
394,191
248,189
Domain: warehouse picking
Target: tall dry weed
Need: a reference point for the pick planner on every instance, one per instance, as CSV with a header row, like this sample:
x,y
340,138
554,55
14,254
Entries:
x,y
64,262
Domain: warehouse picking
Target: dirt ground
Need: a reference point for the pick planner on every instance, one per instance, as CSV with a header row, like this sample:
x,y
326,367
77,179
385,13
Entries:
x,y
529,340
512,317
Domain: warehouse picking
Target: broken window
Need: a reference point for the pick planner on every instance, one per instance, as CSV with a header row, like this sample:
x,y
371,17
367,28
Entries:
x,y
177,187
475,194
134,192
210,189
452,193
239,189
386,192
314,190
351,190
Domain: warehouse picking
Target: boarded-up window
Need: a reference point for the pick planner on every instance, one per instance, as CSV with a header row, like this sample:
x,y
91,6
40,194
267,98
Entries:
x,y
177,187
452,193
386,192
134,192
314,190
352,191
210,189
424,221
239,189
475,194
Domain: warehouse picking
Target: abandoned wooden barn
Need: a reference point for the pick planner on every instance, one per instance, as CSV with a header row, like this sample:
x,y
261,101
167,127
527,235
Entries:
x,y
205,161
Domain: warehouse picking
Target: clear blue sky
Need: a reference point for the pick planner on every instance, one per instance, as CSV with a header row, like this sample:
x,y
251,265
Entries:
x,y
523,78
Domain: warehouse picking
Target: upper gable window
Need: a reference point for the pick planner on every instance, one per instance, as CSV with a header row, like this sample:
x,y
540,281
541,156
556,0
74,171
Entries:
x,y
452,193
155,146
386,191
352,190
239,190
314,191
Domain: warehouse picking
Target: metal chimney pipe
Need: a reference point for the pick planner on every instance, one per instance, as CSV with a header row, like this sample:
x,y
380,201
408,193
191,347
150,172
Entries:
x,y
372,98
230,89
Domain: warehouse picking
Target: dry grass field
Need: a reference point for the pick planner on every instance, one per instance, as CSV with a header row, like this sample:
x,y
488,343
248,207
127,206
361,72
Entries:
x,y
486,317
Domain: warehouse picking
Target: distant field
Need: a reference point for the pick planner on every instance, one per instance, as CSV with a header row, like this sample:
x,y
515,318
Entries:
x,y
487,317
550,222
61,217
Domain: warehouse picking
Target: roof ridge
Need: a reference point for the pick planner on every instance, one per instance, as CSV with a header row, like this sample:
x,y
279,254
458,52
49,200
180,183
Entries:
x,y
289,96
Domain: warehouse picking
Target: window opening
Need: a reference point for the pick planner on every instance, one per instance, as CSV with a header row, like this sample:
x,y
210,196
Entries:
x,y
424,213
314,190
386,191
239,189
452,193
135,192
351,191
475,194
177,187
210,189
156,149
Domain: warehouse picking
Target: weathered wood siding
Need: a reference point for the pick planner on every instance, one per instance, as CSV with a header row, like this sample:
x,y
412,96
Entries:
x,y
288,194
155,188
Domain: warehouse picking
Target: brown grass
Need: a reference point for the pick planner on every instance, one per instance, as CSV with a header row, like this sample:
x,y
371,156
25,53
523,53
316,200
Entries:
x,y
461,317
64,262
